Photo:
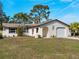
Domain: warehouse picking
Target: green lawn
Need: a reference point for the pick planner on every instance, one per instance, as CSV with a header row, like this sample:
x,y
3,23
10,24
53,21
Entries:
x,y
31,48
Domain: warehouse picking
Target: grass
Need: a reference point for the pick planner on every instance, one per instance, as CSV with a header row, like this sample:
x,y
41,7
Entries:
x,y
31,48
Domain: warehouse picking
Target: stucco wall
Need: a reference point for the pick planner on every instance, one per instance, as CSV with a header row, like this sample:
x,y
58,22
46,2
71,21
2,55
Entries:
x,y
52,32
34,33
29,33
39,31
7,34
52,26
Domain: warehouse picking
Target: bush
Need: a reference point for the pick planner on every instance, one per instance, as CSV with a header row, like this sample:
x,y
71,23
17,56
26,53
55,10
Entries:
x,y
1,27
19,31
54,36
1,36
39,36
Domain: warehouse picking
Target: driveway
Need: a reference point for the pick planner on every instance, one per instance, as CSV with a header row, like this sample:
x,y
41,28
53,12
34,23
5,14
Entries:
x,y
75,38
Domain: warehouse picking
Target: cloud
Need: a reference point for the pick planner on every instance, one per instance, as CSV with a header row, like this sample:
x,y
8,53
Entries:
x,y
66,8
76,5
69,18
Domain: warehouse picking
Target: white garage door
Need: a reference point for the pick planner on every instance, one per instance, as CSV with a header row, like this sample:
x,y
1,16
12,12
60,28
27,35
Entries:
x,y
60,32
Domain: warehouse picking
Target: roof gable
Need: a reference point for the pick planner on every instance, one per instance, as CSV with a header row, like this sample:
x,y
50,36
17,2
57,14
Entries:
x,y
56,20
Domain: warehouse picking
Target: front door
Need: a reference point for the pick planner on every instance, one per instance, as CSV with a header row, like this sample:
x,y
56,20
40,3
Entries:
x,y
45,31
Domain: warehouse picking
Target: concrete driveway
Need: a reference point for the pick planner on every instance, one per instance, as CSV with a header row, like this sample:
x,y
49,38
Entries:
x,y
75,38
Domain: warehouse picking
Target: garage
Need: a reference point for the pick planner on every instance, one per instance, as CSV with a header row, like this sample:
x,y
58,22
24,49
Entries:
x,y
61,32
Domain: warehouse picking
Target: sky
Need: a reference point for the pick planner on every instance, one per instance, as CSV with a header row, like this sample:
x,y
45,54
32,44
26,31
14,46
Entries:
x,y
64,10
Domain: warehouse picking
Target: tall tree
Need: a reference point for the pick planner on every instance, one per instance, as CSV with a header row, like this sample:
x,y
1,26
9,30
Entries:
x,y
3,16
12,20
21,18
39,12
1,12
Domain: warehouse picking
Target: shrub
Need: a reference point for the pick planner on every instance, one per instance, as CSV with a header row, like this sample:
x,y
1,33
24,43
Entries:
x,y
1,27
54,36
19,31
1,36
39,36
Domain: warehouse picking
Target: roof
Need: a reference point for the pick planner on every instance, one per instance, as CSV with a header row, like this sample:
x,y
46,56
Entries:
x,y
32,25
56,20
16,25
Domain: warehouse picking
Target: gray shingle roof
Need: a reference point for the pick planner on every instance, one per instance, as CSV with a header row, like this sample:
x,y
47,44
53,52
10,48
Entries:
x,y
16,25
31,25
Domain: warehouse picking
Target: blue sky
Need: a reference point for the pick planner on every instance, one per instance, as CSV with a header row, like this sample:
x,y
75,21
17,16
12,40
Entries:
x,y
65,10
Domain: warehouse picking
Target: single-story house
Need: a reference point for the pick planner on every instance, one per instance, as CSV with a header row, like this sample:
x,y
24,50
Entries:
x,y
53,28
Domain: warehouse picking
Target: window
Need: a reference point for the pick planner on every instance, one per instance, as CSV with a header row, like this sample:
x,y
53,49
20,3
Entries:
x,y
12,30
37,30
25,30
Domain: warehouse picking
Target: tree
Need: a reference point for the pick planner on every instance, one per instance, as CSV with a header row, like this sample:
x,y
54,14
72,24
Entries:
x,y
39,12
19,31
1,27
74,28
1,12
5,18
21,18
12,20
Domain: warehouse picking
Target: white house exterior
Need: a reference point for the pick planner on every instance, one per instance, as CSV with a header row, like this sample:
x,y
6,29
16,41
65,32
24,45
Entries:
x,y
53,28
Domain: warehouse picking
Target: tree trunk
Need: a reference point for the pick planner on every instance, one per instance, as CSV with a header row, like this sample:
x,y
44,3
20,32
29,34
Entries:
x,y
74,34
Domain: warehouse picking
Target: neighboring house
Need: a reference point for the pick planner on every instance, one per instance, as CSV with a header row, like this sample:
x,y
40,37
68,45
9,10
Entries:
x,y
53,28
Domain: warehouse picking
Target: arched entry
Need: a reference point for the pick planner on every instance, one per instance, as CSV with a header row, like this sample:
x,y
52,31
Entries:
x,y
45,31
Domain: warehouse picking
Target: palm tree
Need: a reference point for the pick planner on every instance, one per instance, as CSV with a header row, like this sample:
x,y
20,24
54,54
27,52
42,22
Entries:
x,y
74,27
